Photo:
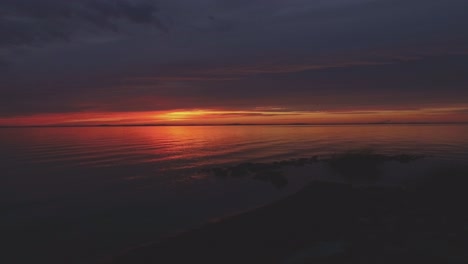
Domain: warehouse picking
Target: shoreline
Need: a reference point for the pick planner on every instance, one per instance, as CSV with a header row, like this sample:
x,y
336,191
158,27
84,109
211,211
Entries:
x,y
333,223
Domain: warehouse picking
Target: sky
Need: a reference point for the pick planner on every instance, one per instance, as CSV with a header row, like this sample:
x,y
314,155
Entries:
x,y
232,61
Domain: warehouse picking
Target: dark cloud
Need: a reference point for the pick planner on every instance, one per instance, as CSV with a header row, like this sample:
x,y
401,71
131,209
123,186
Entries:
x,y
394,84
31,22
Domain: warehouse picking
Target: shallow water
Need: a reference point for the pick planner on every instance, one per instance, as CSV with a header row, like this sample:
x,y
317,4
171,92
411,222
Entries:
x,y
78,195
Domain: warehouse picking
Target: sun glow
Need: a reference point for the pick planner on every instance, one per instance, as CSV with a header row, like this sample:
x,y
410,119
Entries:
x,y
184,115
254,116
217,116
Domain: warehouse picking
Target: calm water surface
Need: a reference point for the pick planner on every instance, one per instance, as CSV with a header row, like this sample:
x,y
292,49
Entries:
x,y
79,195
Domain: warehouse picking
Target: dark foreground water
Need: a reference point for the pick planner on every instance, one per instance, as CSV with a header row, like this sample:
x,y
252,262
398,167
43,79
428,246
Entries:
x,y
79,195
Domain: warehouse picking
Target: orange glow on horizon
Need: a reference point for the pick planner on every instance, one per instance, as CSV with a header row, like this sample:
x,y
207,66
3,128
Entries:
x,y
182,115
256,116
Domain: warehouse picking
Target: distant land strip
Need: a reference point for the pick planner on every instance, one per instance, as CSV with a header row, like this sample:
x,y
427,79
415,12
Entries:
x,y
234,124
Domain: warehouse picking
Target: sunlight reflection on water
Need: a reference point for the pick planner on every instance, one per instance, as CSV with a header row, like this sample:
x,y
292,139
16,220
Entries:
x,y
197,146
70,190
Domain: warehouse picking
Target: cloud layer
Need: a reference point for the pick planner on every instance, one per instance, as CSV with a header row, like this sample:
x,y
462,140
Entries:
x,y
61,56
26,22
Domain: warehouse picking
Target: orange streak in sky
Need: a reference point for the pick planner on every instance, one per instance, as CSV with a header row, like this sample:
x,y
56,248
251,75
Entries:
x,y
259,115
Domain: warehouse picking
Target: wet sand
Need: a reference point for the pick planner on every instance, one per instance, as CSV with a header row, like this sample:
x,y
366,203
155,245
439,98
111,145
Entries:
x,y
334,223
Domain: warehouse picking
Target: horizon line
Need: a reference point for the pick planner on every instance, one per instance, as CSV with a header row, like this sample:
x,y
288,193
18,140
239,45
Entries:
x,y
235,124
